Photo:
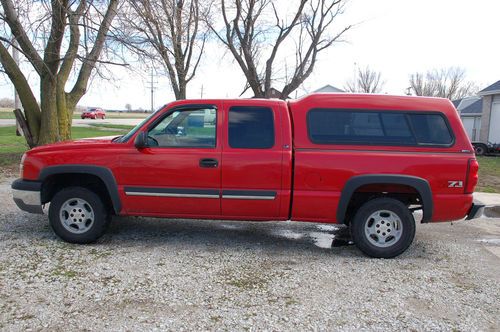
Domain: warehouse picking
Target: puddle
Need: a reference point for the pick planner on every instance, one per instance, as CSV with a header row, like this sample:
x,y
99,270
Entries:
x,y
229,226
328,228
288,234
491,212
490,241
322,240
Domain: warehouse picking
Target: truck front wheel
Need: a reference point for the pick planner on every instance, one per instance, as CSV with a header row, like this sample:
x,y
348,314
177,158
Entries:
x,y
480,149
78,215
383,228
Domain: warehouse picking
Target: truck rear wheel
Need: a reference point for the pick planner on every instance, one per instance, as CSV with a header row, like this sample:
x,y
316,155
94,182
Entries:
x,y
383,228
78,215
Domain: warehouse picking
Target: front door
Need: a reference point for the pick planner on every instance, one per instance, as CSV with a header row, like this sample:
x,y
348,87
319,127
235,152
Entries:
x,y
178,174
252,161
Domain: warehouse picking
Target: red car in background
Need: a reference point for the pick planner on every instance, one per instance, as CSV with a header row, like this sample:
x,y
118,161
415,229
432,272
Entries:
x,y
94,113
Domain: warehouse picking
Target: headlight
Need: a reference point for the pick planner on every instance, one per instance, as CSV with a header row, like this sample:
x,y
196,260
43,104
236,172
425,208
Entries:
x,y
21,166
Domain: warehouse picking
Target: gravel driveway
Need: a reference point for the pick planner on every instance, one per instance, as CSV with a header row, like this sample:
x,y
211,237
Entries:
x,y
179,275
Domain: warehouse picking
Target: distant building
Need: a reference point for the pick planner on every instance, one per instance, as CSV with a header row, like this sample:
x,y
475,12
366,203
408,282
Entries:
x,y
490,118
273,93
481,115
328,89
470,110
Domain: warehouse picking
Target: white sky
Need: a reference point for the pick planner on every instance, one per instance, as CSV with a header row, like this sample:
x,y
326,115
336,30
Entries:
x,y
396,37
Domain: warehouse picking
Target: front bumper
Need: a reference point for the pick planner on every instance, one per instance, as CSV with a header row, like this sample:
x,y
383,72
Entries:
x,y
27,195
476,211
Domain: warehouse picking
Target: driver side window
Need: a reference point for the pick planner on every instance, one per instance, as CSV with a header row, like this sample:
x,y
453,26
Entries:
x,y
186,128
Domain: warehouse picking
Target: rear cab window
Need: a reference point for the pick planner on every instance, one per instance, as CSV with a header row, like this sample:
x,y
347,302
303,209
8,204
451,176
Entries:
x,y
251,127
368,127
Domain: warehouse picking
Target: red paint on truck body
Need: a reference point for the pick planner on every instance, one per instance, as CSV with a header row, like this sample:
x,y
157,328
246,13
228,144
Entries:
x,y
307,179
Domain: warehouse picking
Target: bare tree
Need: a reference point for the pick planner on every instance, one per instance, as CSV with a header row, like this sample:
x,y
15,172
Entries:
x,y
173,30
128,107
366,81
59,39
448,83
248,34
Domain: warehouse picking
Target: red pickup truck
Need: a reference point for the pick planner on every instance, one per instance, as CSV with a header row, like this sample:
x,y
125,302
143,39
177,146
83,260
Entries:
x,y
367,161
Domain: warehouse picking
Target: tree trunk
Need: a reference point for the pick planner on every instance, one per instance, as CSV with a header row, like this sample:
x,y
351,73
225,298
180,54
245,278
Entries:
x,y
63,117
181,94
49,129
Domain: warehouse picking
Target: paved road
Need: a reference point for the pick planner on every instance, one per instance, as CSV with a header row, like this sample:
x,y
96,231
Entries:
x,y
85,122
148,274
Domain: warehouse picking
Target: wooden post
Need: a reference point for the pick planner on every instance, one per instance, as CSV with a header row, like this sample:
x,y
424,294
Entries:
x,y
23,127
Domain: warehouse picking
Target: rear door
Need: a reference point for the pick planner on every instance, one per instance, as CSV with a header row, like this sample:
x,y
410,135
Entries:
x,y
251,160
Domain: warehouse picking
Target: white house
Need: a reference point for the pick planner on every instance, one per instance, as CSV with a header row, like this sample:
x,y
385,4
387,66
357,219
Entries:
x,y
490,119
328,89
481,115
470,110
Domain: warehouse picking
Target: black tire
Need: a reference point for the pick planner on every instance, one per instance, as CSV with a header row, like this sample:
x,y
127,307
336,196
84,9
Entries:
x,y
480,149
361,239
101,215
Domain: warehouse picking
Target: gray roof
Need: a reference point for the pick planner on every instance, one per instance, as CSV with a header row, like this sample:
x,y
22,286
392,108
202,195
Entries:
x,y
492,89
329,88
463,103
456,103
474,108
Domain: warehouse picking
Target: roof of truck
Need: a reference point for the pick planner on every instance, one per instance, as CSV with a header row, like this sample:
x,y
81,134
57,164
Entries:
x,y
372,101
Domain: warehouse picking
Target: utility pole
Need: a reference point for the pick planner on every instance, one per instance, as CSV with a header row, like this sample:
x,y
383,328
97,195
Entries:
x,y
201,92
152,87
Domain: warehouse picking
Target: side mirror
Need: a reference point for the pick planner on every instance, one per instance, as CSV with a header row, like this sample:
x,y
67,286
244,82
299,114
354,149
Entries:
x,y
141,140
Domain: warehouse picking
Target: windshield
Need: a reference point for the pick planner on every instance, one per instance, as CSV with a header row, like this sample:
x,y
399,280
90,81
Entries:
x,y
131,133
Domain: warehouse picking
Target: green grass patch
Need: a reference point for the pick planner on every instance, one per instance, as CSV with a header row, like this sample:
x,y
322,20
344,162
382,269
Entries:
x,y
489,174
85,132
489,165
10,143
7,115
12,146
125,128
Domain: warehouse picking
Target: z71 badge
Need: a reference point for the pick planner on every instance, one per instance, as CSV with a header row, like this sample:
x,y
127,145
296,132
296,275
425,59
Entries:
x,y
455,184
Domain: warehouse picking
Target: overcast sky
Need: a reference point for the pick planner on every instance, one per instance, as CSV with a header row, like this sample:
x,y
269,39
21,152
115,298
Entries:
x,y
396,37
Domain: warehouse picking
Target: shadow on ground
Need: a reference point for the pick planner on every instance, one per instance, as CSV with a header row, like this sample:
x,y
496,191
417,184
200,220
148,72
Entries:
x,y
151,232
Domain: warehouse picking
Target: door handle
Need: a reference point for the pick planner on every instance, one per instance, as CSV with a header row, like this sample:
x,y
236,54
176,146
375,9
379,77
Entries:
x,y
209,163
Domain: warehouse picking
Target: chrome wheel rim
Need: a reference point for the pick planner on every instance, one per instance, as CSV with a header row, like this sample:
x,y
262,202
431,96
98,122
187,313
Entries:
x,y
76,215
383,228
